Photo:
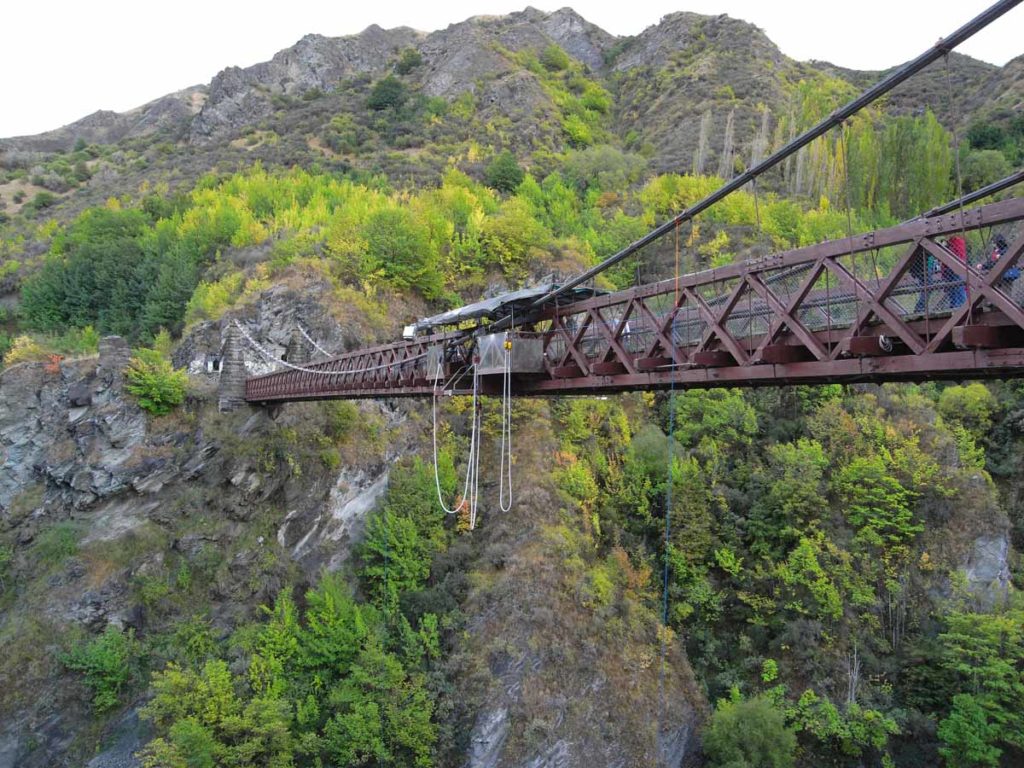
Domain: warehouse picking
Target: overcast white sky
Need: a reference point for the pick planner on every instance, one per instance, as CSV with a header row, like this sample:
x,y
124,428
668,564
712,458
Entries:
x,y
62,59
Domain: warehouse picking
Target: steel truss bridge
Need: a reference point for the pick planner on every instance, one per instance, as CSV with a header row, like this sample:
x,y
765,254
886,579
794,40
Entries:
x,y
894,304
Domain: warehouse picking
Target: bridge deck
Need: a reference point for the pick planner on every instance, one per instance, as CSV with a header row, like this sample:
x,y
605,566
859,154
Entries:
x,y
893,304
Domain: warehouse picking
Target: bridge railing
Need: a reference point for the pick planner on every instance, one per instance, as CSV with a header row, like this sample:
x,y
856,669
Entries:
x,y
809,303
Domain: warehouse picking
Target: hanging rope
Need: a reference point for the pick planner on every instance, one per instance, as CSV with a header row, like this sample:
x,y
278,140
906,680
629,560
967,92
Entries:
x,y
465,495
316,346
663,655
474,485
274,359
505,469
665,570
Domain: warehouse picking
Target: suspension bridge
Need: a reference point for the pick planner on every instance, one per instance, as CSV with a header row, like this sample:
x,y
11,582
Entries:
x,y
940,296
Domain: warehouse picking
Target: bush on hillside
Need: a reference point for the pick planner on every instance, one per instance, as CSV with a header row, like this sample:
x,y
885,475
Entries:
x,y
749,733
107,663
388,93
504,173
156,384
554,58
25,349
408,61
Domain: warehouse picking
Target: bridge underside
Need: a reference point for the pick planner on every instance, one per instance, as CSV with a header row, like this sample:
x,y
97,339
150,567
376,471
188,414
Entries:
x,y
892,305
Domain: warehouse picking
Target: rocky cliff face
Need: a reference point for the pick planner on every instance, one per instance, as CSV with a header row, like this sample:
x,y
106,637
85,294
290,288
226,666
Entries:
x,y
99,498
242,97
105,504
167,117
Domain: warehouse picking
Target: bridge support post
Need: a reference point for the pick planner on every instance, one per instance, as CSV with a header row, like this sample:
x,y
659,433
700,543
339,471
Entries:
x,y
231,385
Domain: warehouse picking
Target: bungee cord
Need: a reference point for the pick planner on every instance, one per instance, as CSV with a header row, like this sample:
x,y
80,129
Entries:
x,y
473,442
470,496
505,468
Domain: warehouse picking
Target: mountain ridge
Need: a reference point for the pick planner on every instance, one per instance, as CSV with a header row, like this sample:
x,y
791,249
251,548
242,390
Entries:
x,y
691,94
315,60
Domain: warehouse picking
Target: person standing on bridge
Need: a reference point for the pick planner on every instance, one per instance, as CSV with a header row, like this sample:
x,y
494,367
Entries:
x,y
924,270
956,286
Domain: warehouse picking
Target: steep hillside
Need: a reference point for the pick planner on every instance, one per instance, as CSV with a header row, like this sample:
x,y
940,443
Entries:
x,y
796,577
692,93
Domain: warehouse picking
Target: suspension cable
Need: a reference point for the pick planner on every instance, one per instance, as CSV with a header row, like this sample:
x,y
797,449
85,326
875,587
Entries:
x,y
309,338
274,359
872,94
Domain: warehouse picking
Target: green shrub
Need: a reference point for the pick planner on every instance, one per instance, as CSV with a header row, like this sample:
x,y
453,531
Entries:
x,y
504,173
408,61
749,733
156,384
43,200
342,417
24,349
6,557
554,58
108,663
388,93
56,544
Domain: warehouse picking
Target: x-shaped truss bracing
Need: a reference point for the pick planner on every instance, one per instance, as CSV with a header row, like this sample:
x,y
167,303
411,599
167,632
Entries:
x,y
893,304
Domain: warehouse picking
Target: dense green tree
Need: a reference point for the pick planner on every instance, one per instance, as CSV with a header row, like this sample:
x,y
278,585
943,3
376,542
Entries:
x,y
981,167
503,172
388,93
721,416
749,733
876,504
968,735
154,381
971,405
399,248
107,663
986,653
404,535
793,496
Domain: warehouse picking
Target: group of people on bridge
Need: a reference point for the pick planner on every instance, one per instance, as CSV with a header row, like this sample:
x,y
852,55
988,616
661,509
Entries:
x,y
933,276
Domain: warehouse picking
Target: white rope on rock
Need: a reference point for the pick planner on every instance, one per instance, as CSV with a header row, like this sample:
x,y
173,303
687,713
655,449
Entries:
x,y
309,338
274,359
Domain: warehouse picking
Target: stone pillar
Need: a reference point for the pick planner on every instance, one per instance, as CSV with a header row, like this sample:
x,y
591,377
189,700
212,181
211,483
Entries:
x,y
231,384
114,356
297,351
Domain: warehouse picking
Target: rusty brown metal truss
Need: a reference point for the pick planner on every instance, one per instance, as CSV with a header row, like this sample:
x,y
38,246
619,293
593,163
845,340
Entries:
x,y
895,304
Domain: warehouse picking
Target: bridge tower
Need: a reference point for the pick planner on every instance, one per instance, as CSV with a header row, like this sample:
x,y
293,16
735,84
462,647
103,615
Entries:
x,y
231,385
